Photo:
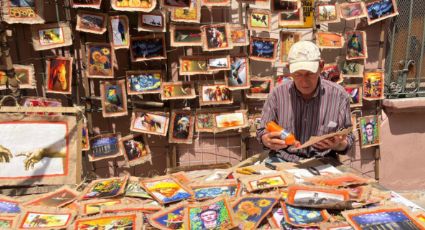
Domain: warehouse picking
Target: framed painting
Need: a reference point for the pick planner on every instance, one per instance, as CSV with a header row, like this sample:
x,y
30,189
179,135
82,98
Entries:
x,y
170,4
278,6
104,146
124,220
139,6
254,121
41,102
331,73
152,21
119,32
135,149
239,35
181,127
50,36
356,95
94,206
95,4
218,63
155,123
134,189
150,47
24,12
177,90
327,13
144,81
211,3
24,74
135,207
114,98
214,189
100,60
205,121
260,87
352,69
169,218
292,18
379,10
91,22
85,139
214,94
8,222
252,209
263,49
316,197
193,65
57,198
47,218
59,75
384,217
105,188
307,16
370,127
259,20
166,189
50,155
373,85
328,40
262,182
190,15
352,10
181,36
338,180
287,39
304,217
9,206
356,45
238,78
275,218
216,37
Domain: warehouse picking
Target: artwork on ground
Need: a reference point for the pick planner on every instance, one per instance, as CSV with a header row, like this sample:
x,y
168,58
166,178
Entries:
x,y
59,75
95,4
105,188
169,218
369,131
251,210
303,217
47,218
120,221
150,122
305,196
114,98
91,22
166,189
213,190
99,60
134,189
58,198
94,206
9,206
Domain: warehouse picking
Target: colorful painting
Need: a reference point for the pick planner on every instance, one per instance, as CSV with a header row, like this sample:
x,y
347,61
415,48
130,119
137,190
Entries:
x,y
380,9
85,139
59,75
373,85
254,121
356,45
166,189
150,122
215,94
181,127
129,5
265,182
169,218
239,35
185,36
58,198
259,20
369,131
86,4
205,122
219,63
213,190
41,102
191,14
8,222
275,218
176,4
177,90
285,5
104,146
152,21
287,39
150,47
51,35
238,77
132,206
251,210
352,10
134,189
99,60
190,65
303,217
306,196
24,11
115,221
119,34
327,40
291,18
356,95
338,180
135,149
307,15
91,22
144,82
114,98
327,13
330,72
352,68
24,74
216,37
95,206
104,188
45,219
260,87
9,205
263,49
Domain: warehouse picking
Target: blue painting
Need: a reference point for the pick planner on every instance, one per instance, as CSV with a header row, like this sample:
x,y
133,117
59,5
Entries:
x,y
22,3
105,146
171,220
380,9
302,216
385,220
251,210
148,48
144,82
167,190
9,207
263,48
213,192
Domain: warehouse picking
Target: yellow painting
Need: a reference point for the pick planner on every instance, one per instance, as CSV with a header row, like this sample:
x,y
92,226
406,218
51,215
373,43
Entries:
x,y
118,222
94,208
39,220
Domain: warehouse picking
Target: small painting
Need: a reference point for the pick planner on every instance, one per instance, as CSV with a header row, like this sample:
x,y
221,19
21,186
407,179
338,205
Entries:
x,y
51,35
213,190
380,9
45,219
330,72
369,131
215,94
104,221
104,146
181,36
41,102
177,90
9,206
259,20
254,121
205,121
211,3
105,188
213,214
8,222
134,189
356,45
292,18
234,120
94,206
181,127
327,40
150,47
356,95
260,87
275,218
266,182
287,39
91,22
85,139
263,49
352,69
135,149
251,210
153,21
144,82
239,35
285,6
59,75
306,196
24,11
352,10
373,85
150,122
176,4
119,34
327,13
99,60
218,63
216,37
238,77
58,198
24,74
166,189
191,65
114,98
95,4
169,218
134,6
189,15
303,217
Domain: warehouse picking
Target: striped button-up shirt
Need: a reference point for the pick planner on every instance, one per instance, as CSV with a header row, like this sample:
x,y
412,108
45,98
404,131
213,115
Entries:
x,y
326,112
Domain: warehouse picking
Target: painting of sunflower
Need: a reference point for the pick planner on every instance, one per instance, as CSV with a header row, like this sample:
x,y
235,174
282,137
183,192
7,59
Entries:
x,y
252,209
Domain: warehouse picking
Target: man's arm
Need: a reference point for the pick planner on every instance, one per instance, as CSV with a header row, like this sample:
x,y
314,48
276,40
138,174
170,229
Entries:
x,y
268,114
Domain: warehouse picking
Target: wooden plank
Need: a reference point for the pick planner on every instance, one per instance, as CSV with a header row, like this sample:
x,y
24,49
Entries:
x,y
20,109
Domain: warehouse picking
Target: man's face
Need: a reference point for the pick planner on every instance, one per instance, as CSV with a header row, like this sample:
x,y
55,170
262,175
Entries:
x,y
306,81
209,216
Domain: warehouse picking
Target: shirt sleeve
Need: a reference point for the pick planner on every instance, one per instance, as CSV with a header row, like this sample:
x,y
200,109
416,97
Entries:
x,y
269,113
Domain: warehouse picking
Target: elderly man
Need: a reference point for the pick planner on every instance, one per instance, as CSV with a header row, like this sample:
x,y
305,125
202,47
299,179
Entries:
x,y
307,106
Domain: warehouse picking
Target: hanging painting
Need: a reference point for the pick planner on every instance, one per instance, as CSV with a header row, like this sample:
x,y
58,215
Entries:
x,y
278,6
95,4
251,210
104,146
327,40
185,36
216,37
169,218
214,94
119,34
166,189
352,69
205,121
52,35
306,20
190,15
151,21
370,127
327,13
192,65
135,149
150,122
24,74
263,49
379,10
356,95
177,90
149,47
331,73
58,198
91,22
352,10
105,188
104,221
373,85
260,87
99,60
239,35
356,45
259,20
291,18
133,6
47,218
181,127
218,63
287,39
114,98
59,75
25,12
144,82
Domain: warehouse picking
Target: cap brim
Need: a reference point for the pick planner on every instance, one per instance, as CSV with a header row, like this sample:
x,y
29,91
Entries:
x,y
312,66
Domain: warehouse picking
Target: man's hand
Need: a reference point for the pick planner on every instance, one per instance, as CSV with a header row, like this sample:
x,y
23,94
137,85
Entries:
x,y
5,155
273,141
337,143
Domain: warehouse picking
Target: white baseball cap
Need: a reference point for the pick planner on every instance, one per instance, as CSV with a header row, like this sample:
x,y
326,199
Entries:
x,y
304,55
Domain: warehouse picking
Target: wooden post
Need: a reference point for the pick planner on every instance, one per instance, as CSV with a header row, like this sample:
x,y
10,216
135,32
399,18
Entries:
x,y
7,62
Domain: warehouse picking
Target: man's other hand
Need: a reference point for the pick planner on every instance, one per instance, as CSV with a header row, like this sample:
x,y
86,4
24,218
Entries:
x,y
272,141
337,143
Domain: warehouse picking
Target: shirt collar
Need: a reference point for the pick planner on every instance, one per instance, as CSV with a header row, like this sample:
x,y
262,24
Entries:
x,y
319,88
